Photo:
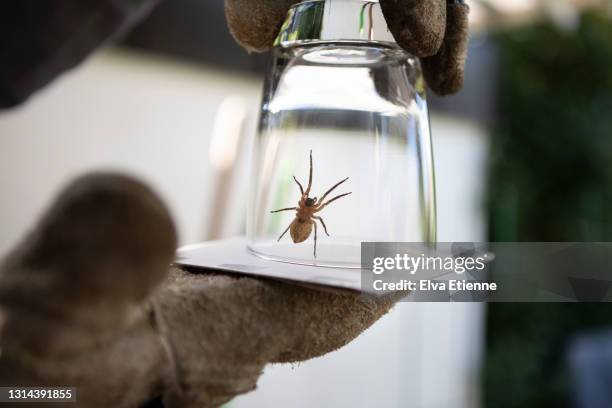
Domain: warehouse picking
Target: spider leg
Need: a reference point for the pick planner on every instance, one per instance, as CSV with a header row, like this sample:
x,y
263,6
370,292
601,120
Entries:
x,y
315,238
310,175
331,201
300,185
322,223
331,189
283,234
284,209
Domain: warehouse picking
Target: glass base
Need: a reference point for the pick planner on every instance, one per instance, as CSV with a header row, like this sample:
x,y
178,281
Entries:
x,y
329,255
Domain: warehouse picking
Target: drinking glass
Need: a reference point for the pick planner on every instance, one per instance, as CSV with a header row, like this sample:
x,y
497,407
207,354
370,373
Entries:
x,y
341,88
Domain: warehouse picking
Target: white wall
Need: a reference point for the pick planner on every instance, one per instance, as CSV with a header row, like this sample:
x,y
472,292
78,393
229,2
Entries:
x,y
137,114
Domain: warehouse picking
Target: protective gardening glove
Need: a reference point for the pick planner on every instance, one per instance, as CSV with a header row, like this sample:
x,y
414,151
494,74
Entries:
x,y
40,40
88,300
436,31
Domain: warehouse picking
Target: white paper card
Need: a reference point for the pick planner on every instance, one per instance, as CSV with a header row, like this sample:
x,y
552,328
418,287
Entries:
x,y
232,256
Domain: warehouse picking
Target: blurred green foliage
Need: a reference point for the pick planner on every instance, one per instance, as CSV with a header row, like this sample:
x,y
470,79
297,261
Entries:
x,y
550,180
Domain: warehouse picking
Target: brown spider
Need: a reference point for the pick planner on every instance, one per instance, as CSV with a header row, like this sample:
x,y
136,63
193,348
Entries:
x,y
302,224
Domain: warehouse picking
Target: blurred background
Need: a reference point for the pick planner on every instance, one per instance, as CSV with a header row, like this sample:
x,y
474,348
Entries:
x,y
523,153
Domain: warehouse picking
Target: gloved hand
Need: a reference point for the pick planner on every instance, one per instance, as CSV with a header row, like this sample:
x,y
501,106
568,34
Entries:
x,y
436,31
88,300
62,33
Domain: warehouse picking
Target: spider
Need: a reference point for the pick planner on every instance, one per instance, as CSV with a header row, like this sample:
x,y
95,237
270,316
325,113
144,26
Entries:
x,y
305,217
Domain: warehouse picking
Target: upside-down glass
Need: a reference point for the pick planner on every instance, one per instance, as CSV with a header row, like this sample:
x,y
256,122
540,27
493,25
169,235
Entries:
x,y
341,88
